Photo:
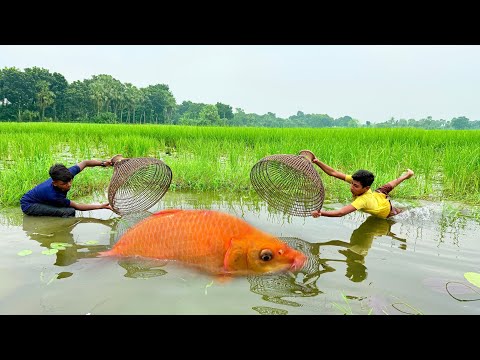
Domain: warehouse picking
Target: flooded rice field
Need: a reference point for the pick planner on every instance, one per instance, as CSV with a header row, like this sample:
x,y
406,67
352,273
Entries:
x,y
413,263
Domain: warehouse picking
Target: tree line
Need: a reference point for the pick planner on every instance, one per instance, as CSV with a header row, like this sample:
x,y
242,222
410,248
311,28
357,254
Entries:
x,y
36,94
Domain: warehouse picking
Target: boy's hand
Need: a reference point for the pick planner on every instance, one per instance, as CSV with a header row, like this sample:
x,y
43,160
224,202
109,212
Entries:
x,y
105,206
316,213
107,162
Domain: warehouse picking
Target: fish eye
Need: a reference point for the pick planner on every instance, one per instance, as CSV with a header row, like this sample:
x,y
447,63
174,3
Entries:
x,y
266,255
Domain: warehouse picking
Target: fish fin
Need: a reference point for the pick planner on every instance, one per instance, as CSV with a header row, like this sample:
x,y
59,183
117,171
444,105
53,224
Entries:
x,y
235,257
167,212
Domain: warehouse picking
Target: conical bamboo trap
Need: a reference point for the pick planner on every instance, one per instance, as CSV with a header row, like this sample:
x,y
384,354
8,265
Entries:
x,y
137,183
289,183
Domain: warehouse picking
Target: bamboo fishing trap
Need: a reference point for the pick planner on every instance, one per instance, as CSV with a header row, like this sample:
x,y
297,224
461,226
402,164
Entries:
x,y
137,183
289,183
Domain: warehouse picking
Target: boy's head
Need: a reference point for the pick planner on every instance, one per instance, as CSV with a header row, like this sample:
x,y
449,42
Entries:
x,y
61,176
362,179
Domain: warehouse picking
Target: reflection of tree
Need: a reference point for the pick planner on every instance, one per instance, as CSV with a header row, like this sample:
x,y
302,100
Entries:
x,y
360,243
47,230
274,288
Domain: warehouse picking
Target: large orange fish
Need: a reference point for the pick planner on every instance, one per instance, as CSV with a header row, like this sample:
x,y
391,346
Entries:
x,y
213,241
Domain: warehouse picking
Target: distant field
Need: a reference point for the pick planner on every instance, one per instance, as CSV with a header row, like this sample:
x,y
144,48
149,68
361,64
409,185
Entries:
x,y
446,163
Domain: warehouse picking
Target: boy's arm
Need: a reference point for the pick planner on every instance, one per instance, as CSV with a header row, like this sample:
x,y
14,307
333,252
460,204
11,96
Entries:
x,y
334,213
88,163
84,207
329,170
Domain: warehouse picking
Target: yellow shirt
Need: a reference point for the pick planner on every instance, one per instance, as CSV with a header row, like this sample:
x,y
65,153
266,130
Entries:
x,y
374,203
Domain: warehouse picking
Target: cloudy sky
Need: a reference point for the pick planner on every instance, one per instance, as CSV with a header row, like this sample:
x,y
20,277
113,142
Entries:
x,y
368,82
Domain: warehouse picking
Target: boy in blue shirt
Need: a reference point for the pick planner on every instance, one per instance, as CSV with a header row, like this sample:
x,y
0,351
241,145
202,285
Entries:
x,y
50,197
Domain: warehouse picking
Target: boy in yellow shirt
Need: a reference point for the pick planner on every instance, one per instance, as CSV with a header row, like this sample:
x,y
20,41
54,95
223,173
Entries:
x,y
376,203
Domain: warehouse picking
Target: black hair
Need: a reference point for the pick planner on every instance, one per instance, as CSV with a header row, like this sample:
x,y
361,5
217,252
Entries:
x,y
60,172
364,177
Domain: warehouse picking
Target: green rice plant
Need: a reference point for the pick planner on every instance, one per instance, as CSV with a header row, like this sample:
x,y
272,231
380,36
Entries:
x,y
347,309
446,163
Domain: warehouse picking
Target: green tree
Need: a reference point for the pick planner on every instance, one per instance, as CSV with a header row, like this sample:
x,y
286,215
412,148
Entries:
x,y
225,111
160,103
209,116
460,123
343,121
78,103
134,98
188,110
57,85
16,88
104,89
353,123
45,97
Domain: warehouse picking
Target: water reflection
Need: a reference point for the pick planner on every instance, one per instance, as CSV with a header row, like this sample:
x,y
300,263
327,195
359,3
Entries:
x,y
276,288
436,237
360,243
47,230
142,268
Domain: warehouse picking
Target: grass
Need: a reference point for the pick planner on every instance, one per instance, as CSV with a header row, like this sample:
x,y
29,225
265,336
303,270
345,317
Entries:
x,y
446,163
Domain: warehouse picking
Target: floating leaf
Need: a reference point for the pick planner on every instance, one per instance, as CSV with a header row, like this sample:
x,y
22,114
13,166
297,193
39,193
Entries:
x,y
473,278
49,251
60,245
91,242
24,252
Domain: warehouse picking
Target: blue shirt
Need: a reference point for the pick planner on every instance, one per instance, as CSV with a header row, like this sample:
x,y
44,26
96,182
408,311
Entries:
x,y
46,193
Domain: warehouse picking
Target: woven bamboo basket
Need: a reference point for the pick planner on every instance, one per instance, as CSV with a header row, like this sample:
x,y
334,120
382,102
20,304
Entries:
x,y
289,183
137,183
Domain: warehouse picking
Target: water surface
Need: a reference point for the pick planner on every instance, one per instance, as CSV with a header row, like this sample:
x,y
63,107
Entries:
x,y
358,264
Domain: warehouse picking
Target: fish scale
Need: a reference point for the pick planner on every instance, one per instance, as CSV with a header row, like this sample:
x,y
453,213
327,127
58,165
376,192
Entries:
x,y
214,241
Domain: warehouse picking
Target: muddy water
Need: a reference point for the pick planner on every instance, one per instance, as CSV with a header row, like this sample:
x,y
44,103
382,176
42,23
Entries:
x,y
412,264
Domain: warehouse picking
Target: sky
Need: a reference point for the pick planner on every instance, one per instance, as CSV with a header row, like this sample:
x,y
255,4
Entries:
x,y
367,82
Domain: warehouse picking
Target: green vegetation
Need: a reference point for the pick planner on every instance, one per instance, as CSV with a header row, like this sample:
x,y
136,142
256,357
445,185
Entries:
x,y
35,95
473,278
446,163
24,252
